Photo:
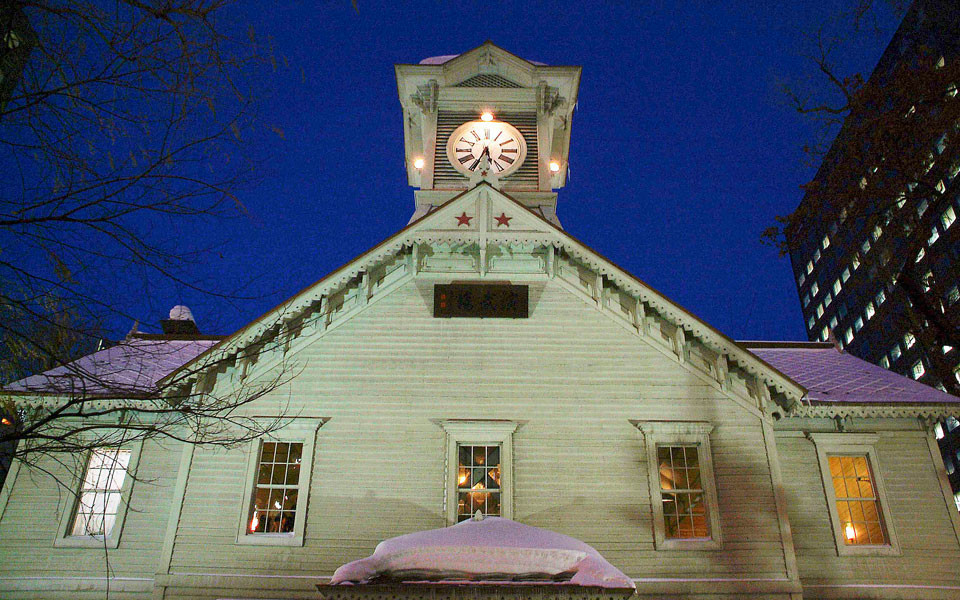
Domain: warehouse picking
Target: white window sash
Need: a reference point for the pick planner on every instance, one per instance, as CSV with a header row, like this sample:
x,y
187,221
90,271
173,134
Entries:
x,y
297,431
65,537
679,433
480,433
854,444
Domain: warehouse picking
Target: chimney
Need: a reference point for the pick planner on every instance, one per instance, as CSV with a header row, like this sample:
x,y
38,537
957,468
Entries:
x,y
180,322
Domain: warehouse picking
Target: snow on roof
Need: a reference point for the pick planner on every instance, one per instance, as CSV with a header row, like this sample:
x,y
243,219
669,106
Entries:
x,y
439,60
831,376
133,366
494,550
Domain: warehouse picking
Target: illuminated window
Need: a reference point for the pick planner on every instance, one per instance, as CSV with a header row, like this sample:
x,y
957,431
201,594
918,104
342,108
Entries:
x,y
917,369
953,295
277,486
684,495
956,500
814,289
855,493
938,431
869,311
816,256
952,423
827,300
811,322
819,310
866,246
837,287
480,462
922,207
895,352
95,517
826,242
948,217
884,362
858,324
99,498
876,233
920,255
801,279
809,267
934,236
848,336
845,275
909,340
940,63
858,507
833,322
855,261
478,481
824,334
806,300
881,297
275,494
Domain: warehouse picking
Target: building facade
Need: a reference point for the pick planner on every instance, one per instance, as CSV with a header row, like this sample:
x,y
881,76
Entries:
x,y
482,363
845,253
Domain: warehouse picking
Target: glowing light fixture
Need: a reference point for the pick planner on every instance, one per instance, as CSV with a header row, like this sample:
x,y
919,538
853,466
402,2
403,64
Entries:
x,y
418,163
850,533
6,421
486,116
554,166
254,522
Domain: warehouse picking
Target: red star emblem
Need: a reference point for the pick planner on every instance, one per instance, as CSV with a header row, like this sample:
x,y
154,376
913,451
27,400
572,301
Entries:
x,y
463,219
503,219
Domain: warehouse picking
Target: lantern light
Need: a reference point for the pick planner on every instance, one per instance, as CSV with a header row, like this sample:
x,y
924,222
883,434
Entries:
x,y
850,533
555,166
486,116
418,163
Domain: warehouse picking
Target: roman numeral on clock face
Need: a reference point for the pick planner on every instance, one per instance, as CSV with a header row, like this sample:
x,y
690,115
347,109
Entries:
x,y
466,159
507,159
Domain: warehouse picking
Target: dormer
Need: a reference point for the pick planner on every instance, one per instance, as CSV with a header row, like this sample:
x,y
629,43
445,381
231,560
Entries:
x,y
488,103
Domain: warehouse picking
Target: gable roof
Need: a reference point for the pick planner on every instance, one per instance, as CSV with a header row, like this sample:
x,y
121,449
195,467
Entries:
x,y
441,226
831,376
132,368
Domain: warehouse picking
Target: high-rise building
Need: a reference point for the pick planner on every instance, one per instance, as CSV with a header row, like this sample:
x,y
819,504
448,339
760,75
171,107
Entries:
x,y
854,243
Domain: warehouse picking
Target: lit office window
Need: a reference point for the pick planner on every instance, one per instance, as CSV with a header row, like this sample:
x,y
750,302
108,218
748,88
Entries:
x,y
845,275
895,352
809,267
934,236
801,279
922,207
837,287
826,242
866,246
833,322
816,256
884,362
881,297
869,311
819,310
855,261
920,255
909,340
953,295
806,300
858,324
848,335
948,217
814,289
810,322
917,369
938,430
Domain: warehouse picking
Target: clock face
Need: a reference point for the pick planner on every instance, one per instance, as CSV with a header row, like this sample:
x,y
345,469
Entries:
x,y
499,141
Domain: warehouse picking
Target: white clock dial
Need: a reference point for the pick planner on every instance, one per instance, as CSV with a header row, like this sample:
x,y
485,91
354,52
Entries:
x,y
499,141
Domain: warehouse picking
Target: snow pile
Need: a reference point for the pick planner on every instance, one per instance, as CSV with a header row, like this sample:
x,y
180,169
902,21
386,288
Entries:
x,y
491,550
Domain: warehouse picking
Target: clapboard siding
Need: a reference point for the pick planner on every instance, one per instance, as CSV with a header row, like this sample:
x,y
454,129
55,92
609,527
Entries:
x,y
916,507
572,378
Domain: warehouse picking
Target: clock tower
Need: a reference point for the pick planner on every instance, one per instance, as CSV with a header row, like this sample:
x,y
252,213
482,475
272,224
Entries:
x,y
487,115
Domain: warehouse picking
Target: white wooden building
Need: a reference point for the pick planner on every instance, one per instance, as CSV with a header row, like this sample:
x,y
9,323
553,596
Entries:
x,y
484,360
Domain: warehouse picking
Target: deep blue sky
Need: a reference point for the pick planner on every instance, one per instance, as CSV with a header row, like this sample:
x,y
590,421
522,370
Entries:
x,y
683,149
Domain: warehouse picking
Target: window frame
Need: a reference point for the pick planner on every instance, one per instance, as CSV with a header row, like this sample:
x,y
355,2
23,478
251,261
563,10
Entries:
x,y
65,539
677,433
854,444
479,433
299,431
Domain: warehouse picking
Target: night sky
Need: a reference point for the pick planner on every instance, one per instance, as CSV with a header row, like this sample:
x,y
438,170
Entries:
x,y
683,147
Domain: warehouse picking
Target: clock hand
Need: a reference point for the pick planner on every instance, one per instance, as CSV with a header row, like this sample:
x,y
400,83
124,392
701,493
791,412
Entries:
x,y
486,150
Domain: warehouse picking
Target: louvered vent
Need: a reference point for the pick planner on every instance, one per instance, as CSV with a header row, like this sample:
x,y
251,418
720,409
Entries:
x,y
445,176
488,81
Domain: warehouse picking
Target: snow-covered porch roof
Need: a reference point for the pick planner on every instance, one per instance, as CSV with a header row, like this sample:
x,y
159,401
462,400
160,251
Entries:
x,y
490,557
